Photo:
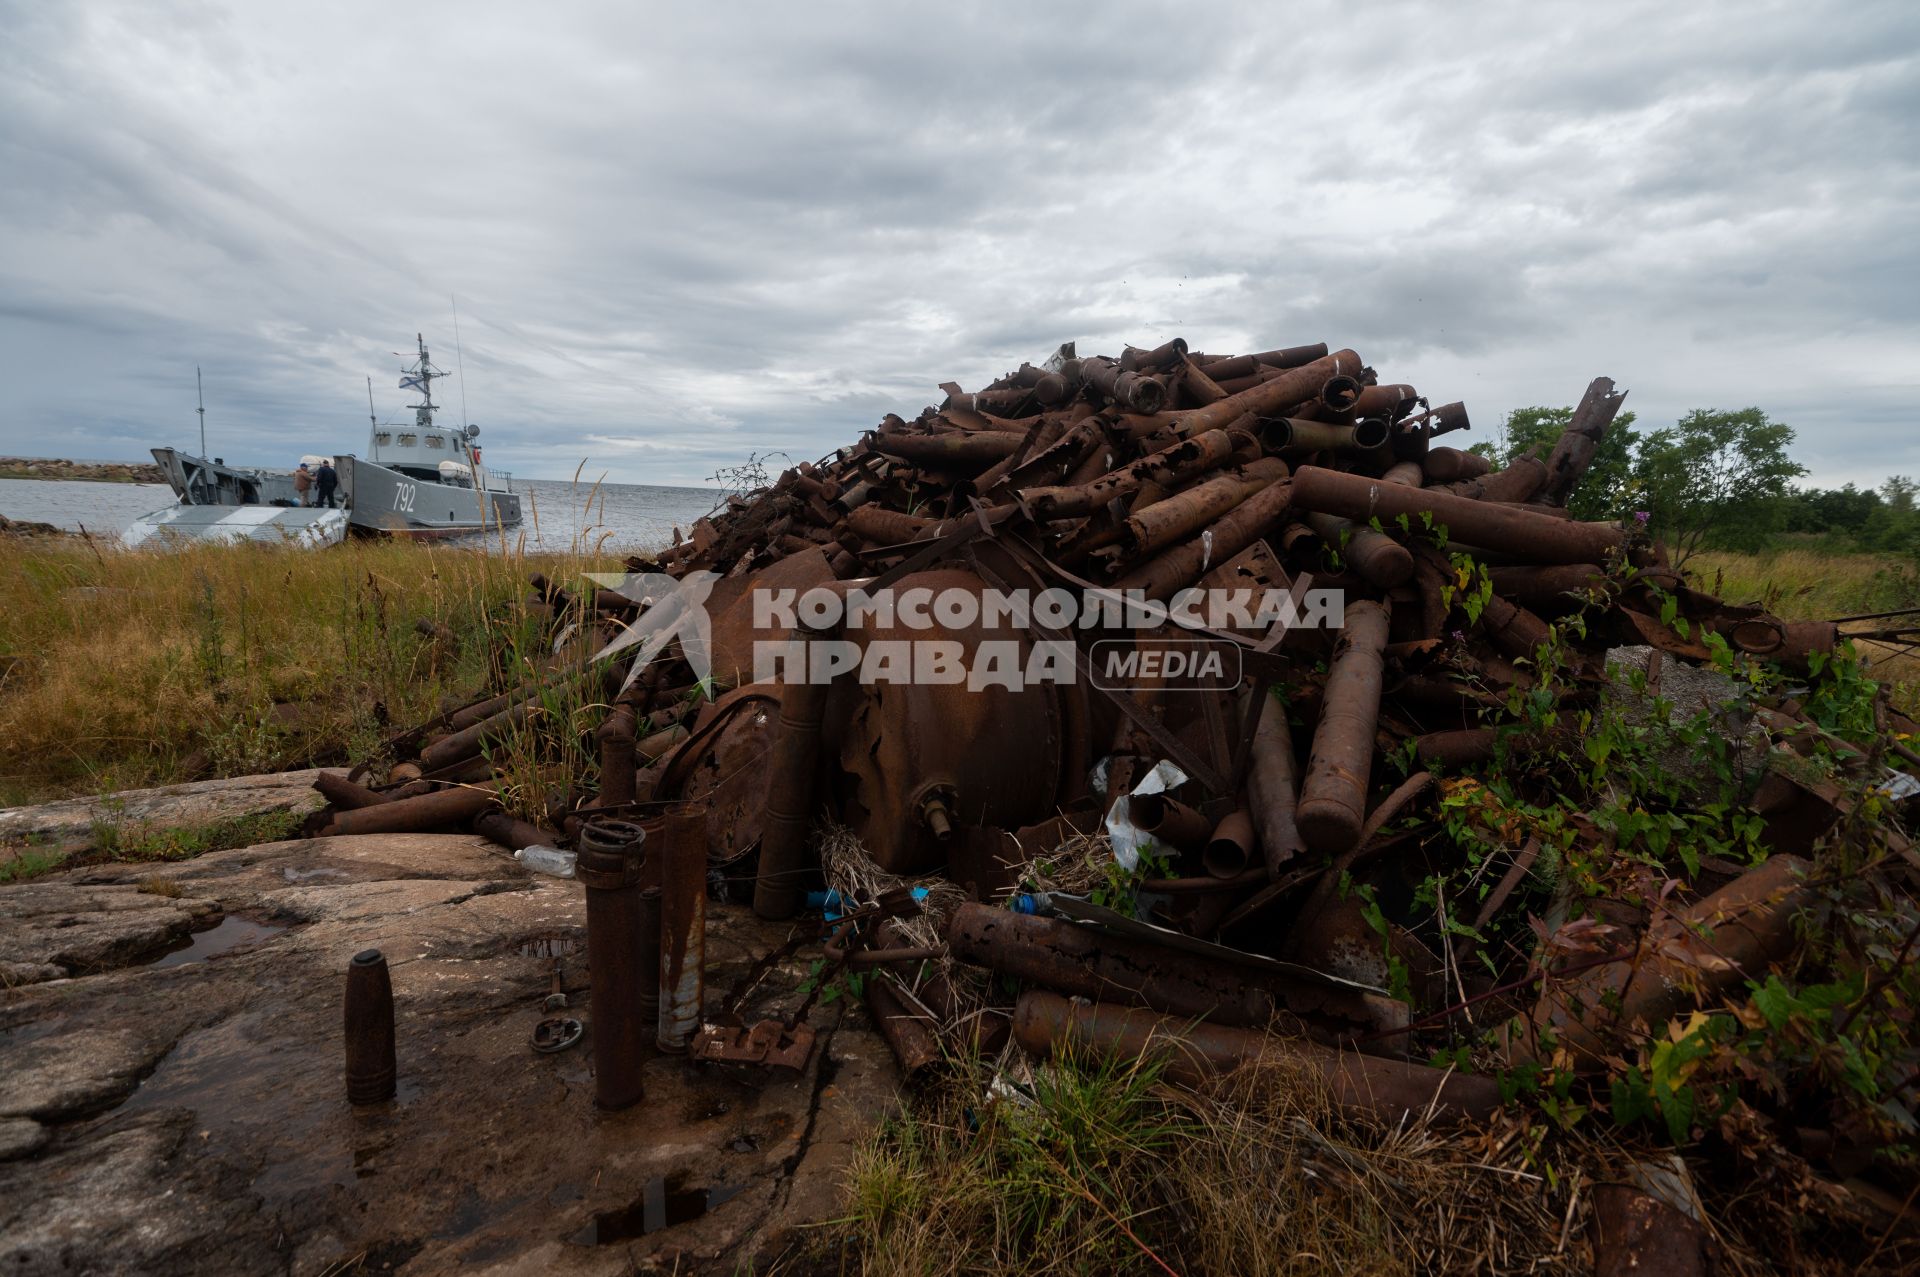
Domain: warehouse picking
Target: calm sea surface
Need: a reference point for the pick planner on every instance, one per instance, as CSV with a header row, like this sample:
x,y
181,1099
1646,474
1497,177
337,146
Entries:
x,y
558,515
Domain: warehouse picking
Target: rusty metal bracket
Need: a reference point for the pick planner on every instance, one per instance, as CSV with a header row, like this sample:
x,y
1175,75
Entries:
x,y
768,1043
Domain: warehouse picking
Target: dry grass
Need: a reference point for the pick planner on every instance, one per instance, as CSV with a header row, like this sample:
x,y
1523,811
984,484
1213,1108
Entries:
x,y
121,669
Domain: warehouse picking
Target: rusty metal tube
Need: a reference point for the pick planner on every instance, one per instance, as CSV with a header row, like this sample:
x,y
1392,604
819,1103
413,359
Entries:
x,y
1520,532
1179,566
889,527
444,810
1575,449
347,795
1273,787
648,943
974,451
1536,586
1169,820
1451,465
1230,850
1129,390
783,837
507,831
1189,457
1293,386
1374,555
617,757
908,1034
610,866
683,925
1191,1053
1391,402
1187,511
469,741
371,1071
1297,434
1518,482
1333,798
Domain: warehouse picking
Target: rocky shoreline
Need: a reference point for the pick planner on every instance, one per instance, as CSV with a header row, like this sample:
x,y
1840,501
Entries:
x,y
89,471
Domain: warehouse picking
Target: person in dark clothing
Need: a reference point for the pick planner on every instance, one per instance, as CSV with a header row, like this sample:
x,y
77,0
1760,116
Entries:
x,y
326,479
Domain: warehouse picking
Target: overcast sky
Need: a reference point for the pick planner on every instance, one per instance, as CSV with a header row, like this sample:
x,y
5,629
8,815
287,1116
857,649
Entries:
x,y
682,233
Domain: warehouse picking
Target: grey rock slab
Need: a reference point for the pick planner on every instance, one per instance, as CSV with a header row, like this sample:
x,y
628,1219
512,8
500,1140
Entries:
x,y
60,927
80,1071
69,823
20,1136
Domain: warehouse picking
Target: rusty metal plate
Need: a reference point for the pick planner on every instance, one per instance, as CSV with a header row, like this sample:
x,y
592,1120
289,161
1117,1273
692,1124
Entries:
x,y
769,1043
731,775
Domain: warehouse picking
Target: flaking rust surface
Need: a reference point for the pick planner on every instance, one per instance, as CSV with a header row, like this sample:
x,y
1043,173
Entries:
x,y
193,1118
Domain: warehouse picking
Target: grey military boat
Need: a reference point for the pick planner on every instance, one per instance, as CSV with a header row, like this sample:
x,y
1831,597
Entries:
x,y
424,479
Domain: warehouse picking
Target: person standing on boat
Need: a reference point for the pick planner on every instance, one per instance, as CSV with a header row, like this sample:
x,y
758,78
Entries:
x,y
302,483
328,481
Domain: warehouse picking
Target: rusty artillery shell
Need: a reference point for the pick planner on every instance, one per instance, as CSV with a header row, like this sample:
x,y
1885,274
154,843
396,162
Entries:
x,y
889,527
1390,402
1374,555
1405,472
1133,359
1170,821
1518,482
616,757
1293,386
1557,585
908,1034
610,866
468,742
1132,390
1451,465
1735,932
1231,848
507,831
345,794
1514,630
1185,459
442,810
683,926
1535,537
371,1072
963,452
1333,798
1187,511
1044,1022
1299,435
777,888
1179,566
1273,787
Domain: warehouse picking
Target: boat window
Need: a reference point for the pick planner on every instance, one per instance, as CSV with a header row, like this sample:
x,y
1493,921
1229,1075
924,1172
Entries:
x,y
436,441
383,438
409,440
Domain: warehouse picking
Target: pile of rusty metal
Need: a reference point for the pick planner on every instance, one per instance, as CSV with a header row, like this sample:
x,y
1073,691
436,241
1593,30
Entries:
x,y
1241,762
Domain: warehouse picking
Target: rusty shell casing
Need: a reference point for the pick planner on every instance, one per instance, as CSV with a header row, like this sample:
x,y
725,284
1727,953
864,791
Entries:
x,y
1404,472
1451,465
1522,533
777,888
1376,556
507,831
611,865
346,795
1737,930
908,1034
1556,586
616,757
1133,359
1231,848
1390,402
1129,390
889,527
649,945
1273,788
1518,482
371,1072
963,452
1287,388
1186,512
1575,449
1170,821
1299,435
445,809
1339,394
1043,1022
1179,566
1333,798
1514,630
1456,750
1291,356
1184,460
683,925
469,741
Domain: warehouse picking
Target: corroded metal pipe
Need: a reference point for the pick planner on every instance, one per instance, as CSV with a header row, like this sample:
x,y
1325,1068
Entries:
x,y
1575,449
427,813
371,1072
1333,798
1294,386
1374,555
507,831
777,889
1736,932
1191,1053
1537,586
908,1035
1189,457
1297,434
967,452
1451,465
347,795
1169,820
1519,532
1518,482
1273,787
1187,511
1179,566
617,757
610,866
1230,850
683,925
889,527
1391,402
1128,389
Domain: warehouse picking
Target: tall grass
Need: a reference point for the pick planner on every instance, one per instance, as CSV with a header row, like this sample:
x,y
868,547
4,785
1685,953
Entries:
x,y
123,669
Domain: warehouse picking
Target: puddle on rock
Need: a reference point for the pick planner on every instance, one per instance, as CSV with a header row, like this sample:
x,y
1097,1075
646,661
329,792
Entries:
x,y
663,1205
230,933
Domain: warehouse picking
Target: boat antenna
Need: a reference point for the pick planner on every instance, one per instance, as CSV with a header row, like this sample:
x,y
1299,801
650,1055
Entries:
x,y
372,418
199,392
459,363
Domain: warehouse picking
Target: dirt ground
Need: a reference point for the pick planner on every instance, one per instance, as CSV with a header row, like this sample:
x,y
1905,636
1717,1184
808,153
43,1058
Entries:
x,y
190,1114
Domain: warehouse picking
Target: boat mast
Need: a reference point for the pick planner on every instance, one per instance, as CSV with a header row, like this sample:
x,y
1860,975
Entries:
x,y
200,394
373,423
420,377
